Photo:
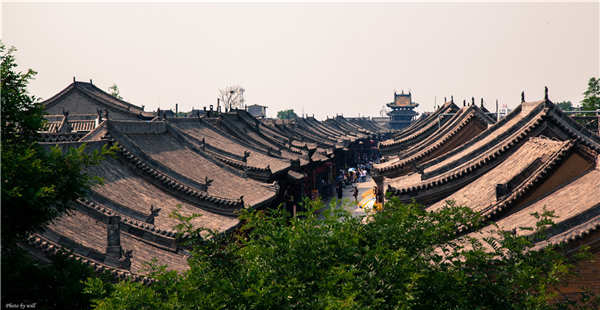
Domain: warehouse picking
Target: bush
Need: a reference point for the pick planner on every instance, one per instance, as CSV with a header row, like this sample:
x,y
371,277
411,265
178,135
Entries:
x,y
401,257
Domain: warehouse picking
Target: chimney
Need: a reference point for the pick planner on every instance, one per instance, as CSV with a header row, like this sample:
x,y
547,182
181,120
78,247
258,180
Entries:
x,y
472,100
176,109
113,240
91,82
546,93
452,99
482,102
522,96
73,79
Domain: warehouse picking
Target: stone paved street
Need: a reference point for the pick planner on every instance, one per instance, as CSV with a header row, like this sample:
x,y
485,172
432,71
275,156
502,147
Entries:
x,y
347,199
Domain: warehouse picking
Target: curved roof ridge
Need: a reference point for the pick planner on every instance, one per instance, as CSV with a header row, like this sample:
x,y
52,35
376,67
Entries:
x,y
442,130
305,131
472,113
52,248
447,106
535,178
505,139
515,116
474,163
129,221
185,140
427,149
574,233
429,126
92,92
577,131
102,95
313,124
234,160
175,185
395,161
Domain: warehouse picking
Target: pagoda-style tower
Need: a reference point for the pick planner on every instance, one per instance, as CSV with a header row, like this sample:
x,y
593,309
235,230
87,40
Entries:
x,y
402,113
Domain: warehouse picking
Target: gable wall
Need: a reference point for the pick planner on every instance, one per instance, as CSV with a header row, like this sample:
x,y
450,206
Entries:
x,y
586,272
77,103
572,167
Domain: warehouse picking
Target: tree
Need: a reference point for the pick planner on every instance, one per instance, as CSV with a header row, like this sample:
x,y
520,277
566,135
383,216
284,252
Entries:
x,y
402,258
232,97
114,91
287,114
565,105
591,99
38,185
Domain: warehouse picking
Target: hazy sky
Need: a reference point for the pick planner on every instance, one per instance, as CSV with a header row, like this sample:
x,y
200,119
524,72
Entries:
x,y
320,58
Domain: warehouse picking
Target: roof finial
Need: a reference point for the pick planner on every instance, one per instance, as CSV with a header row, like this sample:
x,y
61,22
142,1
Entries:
x,y
482,102
73,79
91,82
546,93
522,96
452,98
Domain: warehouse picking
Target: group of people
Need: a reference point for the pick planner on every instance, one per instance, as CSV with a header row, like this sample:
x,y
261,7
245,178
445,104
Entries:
x,y
351,177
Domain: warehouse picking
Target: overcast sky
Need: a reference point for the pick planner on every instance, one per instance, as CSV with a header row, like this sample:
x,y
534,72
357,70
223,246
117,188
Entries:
x,y
325,59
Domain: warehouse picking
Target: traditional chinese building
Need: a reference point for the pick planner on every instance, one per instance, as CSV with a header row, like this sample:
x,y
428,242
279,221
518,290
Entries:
x,y
402,113
212,162
535,159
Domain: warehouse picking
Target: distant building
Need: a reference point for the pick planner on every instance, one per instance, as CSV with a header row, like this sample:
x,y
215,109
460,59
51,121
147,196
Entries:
x,y
504,111
258,111
402,113
87,99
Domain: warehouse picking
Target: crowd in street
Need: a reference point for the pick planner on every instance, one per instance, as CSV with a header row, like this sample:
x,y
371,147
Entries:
x,y
352,176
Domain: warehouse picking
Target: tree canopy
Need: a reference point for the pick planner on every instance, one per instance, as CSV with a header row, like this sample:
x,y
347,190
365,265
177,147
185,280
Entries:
x,y
114,91
402,258
591,99
565,105
38,185
287,114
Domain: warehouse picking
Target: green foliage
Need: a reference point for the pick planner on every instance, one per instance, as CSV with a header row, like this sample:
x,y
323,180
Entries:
x,y
38,184
114,91
591,99
400,258
287,114
21,114
565,105
55,285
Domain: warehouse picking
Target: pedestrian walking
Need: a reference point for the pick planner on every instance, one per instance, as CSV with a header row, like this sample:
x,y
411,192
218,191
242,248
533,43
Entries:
x,y
355,193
